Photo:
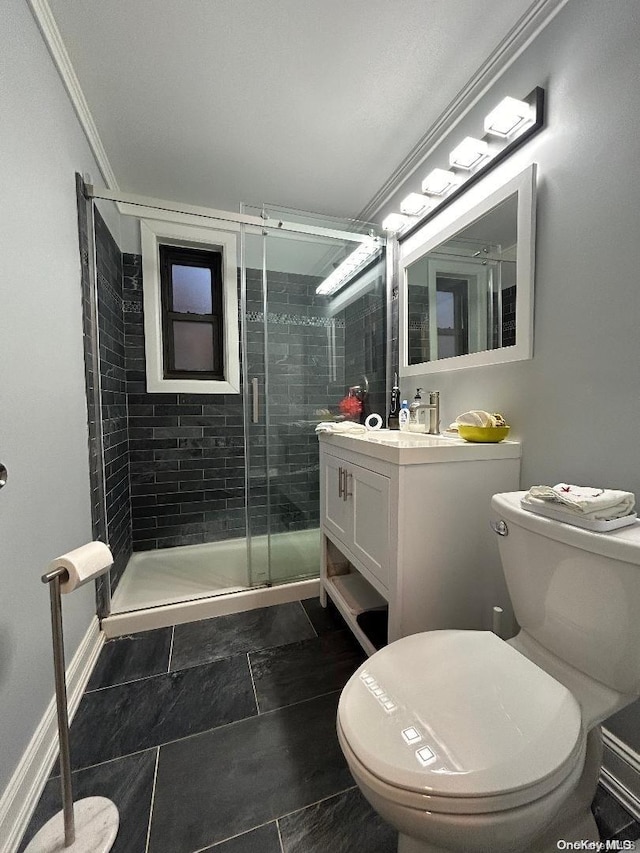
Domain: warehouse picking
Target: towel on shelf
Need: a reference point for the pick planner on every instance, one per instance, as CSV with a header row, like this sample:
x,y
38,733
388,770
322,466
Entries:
x,y
341,427
583,501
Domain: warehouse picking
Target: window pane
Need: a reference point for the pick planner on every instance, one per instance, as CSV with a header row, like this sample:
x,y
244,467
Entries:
x,y
193,346
444,302
191,289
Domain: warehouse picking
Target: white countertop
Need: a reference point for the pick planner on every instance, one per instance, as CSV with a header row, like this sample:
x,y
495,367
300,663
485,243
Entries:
x,y
405,448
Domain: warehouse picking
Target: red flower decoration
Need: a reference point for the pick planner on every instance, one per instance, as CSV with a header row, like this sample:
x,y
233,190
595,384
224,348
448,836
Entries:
x,y
350,407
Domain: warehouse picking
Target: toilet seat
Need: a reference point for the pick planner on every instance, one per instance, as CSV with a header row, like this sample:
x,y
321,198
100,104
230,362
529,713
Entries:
x,y
459,722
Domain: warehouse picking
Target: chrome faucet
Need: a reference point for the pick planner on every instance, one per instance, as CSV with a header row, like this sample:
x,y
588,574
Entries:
x,y
433,407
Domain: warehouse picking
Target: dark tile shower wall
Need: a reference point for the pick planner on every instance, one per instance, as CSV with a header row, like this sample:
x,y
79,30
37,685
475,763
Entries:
x,y
113,525
509,316
365,345
394,332
418,325
186,450
114,397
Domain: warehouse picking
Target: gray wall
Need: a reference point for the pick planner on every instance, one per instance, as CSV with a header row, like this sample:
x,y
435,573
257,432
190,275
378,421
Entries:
x,y
576,405
45,507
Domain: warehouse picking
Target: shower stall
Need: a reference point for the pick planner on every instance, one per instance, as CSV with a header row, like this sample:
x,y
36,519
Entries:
x,y
208,496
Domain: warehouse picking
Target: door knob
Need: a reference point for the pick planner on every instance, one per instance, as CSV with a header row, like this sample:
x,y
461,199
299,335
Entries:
x,y
3,475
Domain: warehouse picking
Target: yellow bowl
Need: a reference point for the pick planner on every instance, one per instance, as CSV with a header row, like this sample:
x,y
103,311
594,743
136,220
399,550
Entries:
x,y
483,434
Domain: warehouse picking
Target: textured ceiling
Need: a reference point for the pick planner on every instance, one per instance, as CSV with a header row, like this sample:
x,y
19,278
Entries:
x,y
310,104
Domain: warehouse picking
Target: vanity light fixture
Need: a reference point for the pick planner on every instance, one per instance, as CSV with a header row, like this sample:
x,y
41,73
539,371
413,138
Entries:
x,y
506,127
394,222
469,154
509,117
439,182
414,204
351,264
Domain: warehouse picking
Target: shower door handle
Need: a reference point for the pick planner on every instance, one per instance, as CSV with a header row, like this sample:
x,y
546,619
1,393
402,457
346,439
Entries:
x,y
255,412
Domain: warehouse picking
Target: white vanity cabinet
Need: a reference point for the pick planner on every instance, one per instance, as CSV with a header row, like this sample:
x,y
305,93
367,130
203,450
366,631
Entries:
x,y
406,521
357,512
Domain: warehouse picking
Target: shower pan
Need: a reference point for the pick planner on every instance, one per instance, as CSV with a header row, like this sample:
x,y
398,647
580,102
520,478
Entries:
x,y
210,502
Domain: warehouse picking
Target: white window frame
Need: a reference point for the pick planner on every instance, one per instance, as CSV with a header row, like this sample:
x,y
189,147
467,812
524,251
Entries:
x,y
153,233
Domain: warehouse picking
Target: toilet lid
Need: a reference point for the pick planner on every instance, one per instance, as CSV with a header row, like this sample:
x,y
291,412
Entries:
x,y
460,713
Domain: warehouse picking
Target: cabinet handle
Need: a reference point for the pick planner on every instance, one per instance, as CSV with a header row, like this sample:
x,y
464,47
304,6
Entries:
x,y
340,473
345,489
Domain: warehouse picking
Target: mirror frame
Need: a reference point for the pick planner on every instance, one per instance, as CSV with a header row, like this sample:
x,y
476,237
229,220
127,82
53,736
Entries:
x,y
454,219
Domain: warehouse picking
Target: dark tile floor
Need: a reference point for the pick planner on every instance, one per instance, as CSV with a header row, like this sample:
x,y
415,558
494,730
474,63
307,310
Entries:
x,y
220,736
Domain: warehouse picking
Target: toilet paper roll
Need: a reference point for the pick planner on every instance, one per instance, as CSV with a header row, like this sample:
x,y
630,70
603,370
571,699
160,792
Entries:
x,y
83,564
373,422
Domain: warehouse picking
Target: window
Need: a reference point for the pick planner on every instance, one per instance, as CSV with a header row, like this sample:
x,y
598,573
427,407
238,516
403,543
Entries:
x,y
192,321
190,291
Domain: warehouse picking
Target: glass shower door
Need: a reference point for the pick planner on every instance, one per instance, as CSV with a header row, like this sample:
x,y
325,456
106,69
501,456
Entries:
x,y
299,367
304,375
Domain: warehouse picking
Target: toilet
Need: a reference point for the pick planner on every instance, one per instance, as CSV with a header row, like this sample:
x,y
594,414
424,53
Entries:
x,y
466,742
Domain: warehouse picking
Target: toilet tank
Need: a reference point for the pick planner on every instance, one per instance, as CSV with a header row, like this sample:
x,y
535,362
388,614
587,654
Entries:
x,y
577,593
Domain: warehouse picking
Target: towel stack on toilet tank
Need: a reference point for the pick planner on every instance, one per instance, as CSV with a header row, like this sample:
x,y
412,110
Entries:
x,y
585,506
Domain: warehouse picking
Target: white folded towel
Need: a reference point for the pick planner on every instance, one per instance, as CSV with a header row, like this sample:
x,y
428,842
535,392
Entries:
x,y
583,501
478,417
341,427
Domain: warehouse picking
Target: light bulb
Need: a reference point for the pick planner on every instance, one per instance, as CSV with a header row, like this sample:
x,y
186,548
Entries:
x,y
414,204
469,154
509,117
439,182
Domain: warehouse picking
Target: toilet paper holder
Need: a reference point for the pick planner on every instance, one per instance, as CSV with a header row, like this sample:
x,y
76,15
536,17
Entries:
x,y
89,838
53,578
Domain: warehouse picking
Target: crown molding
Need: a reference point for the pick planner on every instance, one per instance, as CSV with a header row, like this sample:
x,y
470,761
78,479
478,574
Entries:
x,y
535,19
53,39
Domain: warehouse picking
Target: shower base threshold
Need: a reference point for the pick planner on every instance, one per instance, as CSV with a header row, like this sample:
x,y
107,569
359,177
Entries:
x,y
163,616
210,577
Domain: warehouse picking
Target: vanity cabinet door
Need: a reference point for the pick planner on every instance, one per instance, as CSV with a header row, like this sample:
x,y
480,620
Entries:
x,y
336,511
368,494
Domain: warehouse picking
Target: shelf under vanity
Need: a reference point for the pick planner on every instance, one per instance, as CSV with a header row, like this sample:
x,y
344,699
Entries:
x,y
354,596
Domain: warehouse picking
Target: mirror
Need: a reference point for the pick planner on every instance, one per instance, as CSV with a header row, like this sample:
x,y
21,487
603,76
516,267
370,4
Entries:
x,y
466,296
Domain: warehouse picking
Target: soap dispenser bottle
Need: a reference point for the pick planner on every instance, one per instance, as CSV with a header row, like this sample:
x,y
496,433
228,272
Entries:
x,y
414,408
394,407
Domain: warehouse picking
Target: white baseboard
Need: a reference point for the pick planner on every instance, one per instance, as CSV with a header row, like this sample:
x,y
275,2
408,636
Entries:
x,y
25,786
621,773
